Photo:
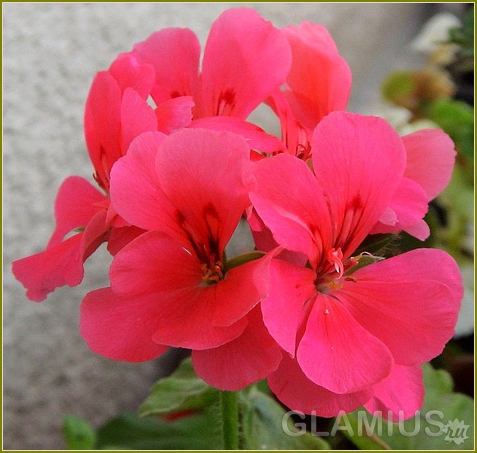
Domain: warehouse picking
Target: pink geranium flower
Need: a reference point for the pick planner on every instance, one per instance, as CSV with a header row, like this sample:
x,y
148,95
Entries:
x,y
232,83
319,82
116,111
173,285
349,334
245,60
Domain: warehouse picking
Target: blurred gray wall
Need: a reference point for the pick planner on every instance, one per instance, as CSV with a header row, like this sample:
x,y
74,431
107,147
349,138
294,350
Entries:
x,y
51,53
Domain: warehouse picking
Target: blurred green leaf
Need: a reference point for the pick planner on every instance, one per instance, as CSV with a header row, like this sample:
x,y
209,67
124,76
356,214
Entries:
x,y
78,433
445,422
457,119
182,391
200,431
267,426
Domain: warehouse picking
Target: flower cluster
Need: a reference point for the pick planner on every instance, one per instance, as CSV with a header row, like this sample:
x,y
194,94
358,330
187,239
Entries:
x,y
331,326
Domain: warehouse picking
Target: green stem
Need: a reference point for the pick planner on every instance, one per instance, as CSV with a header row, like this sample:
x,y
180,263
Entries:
x,y
229,406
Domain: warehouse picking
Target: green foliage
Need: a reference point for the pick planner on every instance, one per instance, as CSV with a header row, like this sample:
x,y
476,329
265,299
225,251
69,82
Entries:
x,y
182,391
457,119
78,433
267,426
183,413
131,432
436,427
192,421
260,415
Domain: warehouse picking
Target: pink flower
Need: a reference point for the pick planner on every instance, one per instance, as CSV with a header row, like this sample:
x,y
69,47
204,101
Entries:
x,y
116,111
348,333
173,285
245,60
319,82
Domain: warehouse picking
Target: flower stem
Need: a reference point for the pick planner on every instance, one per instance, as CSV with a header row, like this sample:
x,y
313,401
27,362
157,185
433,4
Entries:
x,y
229,406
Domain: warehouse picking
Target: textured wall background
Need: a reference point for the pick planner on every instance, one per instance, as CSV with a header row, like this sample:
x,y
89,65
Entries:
x,y
51,53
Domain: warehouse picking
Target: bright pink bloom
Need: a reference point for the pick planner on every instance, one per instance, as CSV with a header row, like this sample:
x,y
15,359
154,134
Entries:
x,y
188,190
245,60
116,111
348,332
319,82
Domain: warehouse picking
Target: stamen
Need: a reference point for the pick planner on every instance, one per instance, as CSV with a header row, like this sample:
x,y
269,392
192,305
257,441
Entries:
x,y
335,257
212,272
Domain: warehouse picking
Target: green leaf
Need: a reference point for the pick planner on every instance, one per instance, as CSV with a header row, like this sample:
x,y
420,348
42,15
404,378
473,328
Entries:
x,y
457,119
78,433
242,259
200,431
267,426
445,422
182,391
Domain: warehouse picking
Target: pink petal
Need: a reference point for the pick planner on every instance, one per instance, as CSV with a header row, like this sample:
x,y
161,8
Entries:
x,y
291,287
129,73
120,237
95,233
136,117
135,190
298,393
166,271
102,123
186,320
399,396
256,137
294,134
359,161
174,53
153,263
201,173
292,218
42,273
319,78
120,328
410,302
430,159
242,289
409,206
174,114
62,263
419,230
249,358
337,353
264,241
245,60
75,205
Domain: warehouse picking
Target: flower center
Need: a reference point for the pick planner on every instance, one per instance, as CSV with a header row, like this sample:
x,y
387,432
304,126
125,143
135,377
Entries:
x,y
334,277
212,271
